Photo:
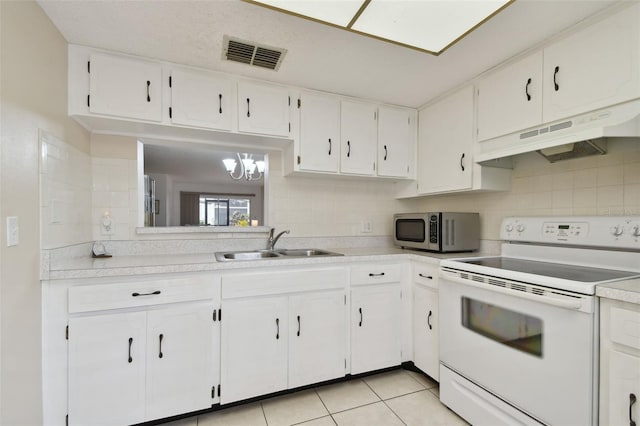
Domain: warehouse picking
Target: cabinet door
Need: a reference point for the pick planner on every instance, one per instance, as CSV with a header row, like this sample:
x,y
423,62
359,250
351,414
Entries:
x,y
510,99
125,87
358,138
200,99
180,361
624,380
319,132
594,68
375,327
317,333
107,369
263,109
394,141
445,142
254,347
425,330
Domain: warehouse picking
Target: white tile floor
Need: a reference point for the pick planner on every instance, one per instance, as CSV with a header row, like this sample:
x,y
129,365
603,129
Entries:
x,y
398,397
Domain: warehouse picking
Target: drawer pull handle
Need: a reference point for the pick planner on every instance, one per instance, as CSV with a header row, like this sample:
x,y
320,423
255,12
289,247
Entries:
x,y
381,274
130,343
385,153
632,400
277,328
146,294
220,103
426,276
429,320
248,107
360,310
160,350
349,148
148,94
329,146
298,325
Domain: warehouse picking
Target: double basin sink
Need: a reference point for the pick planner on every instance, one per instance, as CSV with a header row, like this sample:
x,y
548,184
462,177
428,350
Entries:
x,y
272,254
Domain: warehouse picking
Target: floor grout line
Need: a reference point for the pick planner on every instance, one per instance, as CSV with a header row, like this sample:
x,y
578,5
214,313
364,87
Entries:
x,y
266,422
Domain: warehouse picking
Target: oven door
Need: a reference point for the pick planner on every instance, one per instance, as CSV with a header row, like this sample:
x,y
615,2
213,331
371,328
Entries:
x,y
530,347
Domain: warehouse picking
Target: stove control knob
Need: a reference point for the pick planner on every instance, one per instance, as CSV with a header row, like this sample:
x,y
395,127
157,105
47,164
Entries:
x,y
520,227
509,227
616,231
636,231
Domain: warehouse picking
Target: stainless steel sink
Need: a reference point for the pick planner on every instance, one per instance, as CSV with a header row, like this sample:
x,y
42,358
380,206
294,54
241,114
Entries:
x,y
267,254
307,253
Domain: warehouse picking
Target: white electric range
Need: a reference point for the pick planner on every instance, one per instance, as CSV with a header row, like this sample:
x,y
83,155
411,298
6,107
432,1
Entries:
x,y
519,332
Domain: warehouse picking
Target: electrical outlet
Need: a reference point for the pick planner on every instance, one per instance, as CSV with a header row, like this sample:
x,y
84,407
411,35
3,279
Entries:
x,y
13,237
365,227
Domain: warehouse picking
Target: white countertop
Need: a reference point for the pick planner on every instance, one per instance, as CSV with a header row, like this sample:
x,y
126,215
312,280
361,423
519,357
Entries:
x,y
87,267
625,291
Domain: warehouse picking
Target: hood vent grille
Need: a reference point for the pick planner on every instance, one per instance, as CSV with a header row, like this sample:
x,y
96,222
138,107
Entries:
x,y
251,53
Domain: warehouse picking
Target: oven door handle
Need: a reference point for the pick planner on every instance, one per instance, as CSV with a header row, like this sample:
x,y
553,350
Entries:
x,y
567,304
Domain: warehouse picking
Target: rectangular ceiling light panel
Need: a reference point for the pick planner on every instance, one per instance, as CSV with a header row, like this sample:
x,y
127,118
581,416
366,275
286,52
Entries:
x,y
429,25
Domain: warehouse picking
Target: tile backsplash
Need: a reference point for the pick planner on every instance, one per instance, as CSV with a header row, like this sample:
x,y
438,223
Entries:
x,y
65,193
327,206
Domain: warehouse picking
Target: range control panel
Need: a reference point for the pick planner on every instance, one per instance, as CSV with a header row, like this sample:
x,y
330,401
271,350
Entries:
x,y
601,231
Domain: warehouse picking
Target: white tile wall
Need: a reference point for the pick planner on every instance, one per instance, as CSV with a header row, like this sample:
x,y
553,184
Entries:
x,y
329,206
599,185
115,190
65,193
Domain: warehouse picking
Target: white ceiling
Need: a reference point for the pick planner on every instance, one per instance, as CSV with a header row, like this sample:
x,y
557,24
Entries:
x,y
188,163
319,57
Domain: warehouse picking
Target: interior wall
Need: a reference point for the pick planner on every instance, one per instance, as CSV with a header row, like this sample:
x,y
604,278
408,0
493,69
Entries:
x,y
604,185
33,82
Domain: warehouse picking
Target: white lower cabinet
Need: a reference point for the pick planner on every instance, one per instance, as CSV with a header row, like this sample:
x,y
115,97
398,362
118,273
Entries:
x,y
107,369
317,337
282,330
425,320
126,368
254,347
376,317
619,363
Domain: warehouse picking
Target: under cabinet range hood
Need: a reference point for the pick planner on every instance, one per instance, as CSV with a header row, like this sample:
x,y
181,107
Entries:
x,y
585,134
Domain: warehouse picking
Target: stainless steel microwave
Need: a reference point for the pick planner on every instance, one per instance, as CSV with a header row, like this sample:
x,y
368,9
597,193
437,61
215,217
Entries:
x,y
437,231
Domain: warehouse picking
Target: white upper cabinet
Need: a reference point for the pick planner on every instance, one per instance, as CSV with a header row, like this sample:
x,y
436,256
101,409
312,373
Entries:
x,y
511,99
201,99
445,144
263,109
358,138
395,139
593,68
125,87
319,132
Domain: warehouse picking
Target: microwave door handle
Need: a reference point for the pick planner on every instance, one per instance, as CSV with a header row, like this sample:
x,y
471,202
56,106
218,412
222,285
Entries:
x,y
566,304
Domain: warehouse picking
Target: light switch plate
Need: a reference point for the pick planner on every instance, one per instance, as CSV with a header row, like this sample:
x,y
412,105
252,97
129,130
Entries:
x,y
13,237
365,227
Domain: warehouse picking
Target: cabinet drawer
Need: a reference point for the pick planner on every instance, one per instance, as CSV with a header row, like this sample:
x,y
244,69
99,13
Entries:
x,y
426,275
271,283
376,274
625,327
96,297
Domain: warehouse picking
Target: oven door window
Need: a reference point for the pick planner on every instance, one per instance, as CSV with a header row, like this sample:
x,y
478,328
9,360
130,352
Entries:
x,y
410,230
513,329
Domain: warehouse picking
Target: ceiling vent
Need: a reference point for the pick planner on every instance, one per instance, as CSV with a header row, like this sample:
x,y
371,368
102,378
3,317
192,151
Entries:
x,y
252,53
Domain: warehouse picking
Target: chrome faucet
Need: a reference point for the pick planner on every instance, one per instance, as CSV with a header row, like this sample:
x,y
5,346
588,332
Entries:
x,y
271,243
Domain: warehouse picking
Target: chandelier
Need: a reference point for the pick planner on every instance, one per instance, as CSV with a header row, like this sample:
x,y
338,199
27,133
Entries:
x,y
249,169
